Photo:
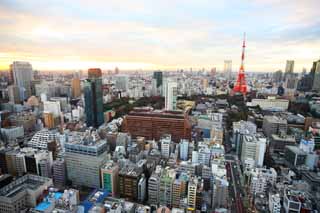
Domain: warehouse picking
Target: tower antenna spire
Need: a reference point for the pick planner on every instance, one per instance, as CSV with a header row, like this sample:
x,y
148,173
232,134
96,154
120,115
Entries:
x,y
241,85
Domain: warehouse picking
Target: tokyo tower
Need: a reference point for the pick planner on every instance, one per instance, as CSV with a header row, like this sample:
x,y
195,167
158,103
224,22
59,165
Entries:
x,y
241,85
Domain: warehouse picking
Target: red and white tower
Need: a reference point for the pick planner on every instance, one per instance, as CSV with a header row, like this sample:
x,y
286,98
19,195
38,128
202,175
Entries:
x,y
241,85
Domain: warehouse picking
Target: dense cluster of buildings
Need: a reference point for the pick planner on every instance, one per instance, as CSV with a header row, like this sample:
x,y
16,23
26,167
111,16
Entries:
x,y
63,150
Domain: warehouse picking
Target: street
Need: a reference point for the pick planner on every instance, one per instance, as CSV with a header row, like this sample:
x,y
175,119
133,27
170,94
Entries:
x,y
236,191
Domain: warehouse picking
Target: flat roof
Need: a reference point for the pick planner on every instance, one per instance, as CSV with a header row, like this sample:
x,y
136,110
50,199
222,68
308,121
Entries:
x,y
43,206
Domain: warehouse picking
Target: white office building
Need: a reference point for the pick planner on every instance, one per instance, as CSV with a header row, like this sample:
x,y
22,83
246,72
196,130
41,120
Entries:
x,y
260,178
165,146
170,93
184,149
254,147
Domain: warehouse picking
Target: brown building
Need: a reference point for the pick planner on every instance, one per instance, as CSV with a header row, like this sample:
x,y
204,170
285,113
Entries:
x,y
128,182
48,120
94,73
152,124
76,88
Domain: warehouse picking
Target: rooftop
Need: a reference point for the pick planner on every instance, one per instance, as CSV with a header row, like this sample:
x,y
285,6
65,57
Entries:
x,y
148,111
31,182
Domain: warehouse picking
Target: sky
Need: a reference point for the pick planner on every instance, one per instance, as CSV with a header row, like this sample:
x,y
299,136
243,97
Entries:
x,y
166,35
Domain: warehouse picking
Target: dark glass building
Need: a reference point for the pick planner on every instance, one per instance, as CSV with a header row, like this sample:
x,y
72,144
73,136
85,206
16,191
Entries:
x,y
158,76
93,100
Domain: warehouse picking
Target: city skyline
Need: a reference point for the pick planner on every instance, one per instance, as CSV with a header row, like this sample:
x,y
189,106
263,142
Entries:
x,y
59,35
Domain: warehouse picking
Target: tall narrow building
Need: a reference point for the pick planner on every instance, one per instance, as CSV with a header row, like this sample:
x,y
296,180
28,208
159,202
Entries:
x,y
75,87
289,67
316,79
170,93
154,187
93,98
166,181
22,75
227,69
192,193
109,178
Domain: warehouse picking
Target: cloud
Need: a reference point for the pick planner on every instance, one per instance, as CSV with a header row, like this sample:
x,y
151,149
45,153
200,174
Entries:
x,y
159,33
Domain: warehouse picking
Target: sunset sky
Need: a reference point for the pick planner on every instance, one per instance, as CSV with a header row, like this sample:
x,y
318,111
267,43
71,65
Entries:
x,y
148,34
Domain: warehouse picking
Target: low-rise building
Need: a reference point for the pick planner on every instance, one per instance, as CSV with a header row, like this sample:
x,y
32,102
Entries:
x,y
23,193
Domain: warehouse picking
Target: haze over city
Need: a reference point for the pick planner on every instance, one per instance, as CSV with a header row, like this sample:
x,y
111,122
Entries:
x,y
166,35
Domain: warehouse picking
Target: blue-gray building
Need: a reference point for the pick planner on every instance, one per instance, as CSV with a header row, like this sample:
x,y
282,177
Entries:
x,y
93,101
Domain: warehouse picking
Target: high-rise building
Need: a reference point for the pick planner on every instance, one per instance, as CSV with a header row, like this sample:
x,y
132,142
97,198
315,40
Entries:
x,y
158,76
179,189
48,119
154,187
166,181
278,142
289,68
204,154
85,154
45,167
274,125
316,79
253,148
142,189
93,98
291,81
129,178
23,75
110,178
94,73
192,193
59,173
220,192
165,146
277,76
294,156
227,69
122,82
14,94
76,87
260,179
170,89
184,149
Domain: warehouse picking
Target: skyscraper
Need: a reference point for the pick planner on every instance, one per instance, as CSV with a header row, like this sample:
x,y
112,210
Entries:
x,y
289,68
23,75
316,79
14,94
227,70
85,155
76,88
170,95
93,98
158,76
